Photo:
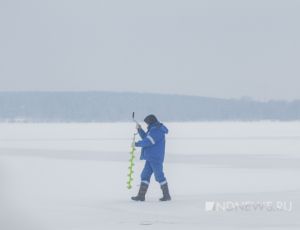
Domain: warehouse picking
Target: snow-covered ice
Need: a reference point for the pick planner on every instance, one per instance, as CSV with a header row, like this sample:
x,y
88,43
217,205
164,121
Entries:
x,y
73,176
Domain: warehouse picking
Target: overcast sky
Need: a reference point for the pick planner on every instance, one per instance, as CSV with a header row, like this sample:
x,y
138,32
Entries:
x,y
226,49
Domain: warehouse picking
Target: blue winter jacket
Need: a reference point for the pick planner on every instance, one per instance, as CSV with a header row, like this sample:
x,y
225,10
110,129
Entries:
x,y
153,142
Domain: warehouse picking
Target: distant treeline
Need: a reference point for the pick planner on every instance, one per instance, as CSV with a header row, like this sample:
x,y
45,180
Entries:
x,y
114,107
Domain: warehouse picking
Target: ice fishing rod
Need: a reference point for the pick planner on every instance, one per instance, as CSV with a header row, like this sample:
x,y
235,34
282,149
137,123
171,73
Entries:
x,y
133,118
132,156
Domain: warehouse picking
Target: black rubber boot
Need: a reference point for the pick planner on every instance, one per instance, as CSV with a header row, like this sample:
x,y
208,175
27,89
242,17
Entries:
x,y
142,193
166,194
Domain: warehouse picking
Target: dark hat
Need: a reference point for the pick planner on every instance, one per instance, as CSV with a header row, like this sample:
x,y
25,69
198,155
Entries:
x,y
150,119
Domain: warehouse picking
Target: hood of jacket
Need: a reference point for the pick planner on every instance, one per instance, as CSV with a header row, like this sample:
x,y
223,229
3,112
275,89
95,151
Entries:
x,y
160,126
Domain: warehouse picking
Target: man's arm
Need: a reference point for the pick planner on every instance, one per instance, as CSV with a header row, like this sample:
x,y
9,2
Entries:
x,y
151,139
141,132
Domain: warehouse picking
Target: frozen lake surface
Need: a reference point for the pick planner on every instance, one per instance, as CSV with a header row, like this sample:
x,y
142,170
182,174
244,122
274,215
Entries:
x,y
73,176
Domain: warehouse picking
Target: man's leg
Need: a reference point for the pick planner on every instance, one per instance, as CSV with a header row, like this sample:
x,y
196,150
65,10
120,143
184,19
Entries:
x,y
146,173
145,180
161,179
158,172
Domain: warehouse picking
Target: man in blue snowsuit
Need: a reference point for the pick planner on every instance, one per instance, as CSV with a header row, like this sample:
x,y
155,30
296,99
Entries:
x,y
153,151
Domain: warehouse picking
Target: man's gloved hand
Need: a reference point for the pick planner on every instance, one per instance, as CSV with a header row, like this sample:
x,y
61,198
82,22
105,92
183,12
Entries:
x,y
138,126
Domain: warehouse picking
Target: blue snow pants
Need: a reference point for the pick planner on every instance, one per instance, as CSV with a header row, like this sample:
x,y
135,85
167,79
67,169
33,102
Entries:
x,y
157,169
